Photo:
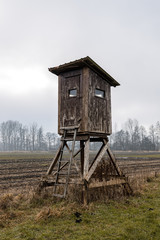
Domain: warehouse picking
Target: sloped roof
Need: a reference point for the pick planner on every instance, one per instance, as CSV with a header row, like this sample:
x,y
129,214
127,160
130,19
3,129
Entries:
x,y
87,61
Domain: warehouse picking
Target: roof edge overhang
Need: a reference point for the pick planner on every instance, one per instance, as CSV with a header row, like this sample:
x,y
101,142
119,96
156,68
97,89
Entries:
x,y
80,63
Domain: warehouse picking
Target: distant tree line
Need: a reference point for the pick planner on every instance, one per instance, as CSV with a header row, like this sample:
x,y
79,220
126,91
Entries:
x,y
16,137
135,137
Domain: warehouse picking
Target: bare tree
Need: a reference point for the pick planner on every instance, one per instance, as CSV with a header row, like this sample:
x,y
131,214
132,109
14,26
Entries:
x,y
157,136
152,133
16,137
33,134
49,140
40,139
4,136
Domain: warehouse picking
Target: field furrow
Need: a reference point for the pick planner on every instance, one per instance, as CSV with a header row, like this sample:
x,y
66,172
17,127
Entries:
x,y
19,171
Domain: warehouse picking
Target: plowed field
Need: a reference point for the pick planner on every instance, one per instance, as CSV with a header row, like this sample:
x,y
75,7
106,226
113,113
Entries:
x,y
19,170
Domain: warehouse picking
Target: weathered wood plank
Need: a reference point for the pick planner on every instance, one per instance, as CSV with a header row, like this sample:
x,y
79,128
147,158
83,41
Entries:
x,y
107,183
99,115
85,105
86,157
96,156
70,107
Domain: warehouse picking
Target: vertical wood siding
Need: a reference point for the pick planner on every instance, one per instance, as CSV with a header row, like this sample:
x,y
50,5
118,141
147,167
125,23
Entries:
x,y
99,114
91,112
70,108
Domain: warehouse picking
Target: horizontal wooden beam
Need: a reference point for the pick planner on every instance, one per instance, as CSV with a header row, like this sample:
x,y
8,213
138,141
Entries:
x,y
69,128
107,183
95,184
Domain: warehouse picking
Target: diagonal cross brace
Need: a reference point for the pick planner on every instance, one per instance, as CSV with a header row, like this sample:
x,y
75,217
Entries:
x,y
97,160
54,160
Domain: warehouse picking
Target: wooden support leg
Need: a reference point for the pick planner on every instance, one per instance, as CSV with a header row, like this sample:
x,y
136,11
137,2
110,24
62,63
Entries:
x,y
86,158
50,169
85,193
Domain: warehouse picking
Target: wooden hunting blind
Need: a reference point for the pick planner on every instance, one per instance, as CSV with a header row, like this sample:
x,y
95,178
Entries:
x,y
84,97
84,116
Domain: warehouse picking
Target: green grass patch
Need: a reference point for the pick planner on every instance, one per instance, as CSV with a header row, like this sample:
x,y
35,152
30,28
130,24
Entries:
x,y
37,218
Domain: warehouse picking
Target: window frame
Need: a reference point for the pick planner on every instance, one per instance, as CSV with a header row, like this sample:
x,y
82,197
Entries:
x,y
100,91
69,93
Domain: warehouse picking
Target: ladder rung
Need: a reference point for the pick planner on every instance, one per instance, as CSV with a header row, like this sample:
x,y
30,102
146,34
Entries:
x,y
59,184
69,128
58,195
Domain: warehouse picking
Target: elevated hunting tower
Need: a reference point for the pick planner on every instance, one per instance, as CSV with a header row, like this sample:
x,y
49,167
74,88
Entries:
x,y
84,116
84,97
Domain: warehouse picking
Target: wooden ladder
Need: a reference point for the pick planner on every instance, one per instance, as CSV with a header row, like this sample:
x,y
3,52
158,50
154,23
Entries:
x,y
62,174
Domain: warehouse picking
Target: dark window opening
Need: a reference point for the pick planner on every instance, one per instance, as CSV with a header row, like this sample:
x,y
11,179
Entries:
x,y
99,93
73,93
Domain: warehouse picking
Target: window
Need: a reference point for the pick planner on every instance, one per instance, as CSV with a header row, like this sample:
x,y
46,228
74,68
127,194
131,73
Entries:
x,y
73,93
99,93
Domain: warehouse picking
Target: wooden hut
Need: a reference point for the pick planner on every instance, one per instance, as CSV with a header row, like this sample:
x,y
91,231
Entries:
x,y
84,97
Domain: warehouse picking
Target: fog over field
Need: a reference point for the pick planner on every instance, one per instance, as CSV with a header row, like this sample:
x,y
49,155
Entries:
x,y
123,37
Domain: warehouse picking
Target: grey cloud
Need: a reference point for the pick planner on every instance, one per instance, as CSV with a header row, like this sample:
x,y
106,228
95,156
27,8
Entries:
x,y
121,36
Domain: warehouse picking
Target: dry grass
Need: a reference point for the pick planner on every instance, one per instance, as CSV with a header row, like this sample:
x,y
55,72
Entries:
x,y
10,208
40,217
14,204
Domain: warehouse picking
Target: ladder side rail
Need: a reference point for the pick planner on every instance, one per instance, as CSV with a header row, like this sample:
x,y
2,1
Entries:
x,y
74,160
59,163
70,161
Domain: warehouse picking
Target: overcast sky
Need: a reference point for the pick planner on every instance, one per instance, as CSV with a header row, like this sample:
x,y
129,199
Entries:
x,y
122,36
